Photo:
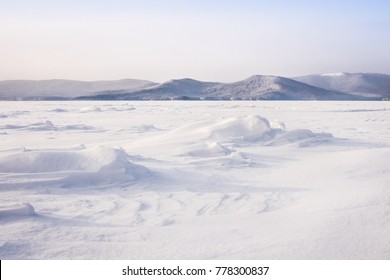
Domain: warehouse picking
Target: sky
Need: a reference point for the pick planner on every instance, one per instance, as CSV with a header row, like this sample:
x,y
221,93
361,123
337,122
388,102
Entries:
x,y
209,40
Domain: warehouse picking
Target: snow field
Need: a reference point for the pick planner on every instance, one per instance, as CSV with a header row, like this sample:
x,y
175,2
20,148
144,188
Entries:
x,y
195,180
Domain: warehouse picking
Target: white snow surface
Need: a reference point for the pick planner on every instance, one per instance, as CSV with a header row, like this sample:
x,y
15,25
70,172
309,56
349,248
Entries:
x,y
195,180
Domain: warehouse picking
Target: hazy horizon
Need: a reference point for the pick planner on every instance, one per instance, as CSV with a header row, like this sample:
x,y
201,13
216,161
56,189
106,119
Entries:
x,y
180,78
222,41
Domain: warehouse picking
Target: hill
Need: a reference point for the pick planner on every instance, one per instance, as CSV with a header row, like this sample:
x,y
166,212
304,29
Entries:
x,y
254,88
362,84
63,89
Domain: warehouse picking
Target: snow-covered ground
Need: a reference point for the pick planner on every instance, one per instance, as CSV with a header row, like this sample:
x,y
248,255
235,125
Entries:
x,y
195,180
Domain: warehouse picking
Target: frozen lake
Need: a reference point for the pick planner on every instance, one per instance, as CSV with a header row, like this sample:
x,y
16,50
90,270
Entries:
x,y
195,180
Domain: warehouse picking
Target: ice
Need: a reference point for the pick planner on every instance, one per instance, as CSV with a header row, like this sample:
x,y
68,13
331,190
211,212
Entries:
x,y
195,180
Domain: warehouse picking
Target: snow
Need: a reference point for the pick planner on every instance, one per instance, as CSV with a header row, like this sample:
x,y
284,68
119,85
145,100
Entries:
x,y
338,74
30,89
368,85
98,165
16,210
194,180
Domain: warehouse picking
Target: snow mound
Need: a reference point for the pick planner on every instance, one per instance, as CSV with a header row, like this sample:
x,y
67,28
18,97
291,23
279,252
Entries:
x,y
58,110
119,109
146,128
248,128
38,126
48,126
209,149
98,165
90,109
23,209
303,137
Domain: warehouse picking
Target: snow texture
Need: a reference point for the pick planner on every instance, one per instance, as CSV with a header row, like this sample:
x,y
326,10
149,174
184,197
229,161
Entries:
x,y
194,180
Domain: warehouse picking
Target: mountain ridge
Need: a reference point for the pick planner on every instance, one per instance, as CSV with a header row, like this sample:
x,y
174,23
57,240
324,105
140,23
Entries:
x,y
362,84
257,87
62,88
328,86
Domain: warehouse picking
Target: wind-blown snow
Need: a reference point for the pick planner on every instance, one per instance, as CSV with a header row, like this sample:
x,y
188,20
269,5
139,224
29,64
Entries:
x,y
16,210
77,167
194,180
248,128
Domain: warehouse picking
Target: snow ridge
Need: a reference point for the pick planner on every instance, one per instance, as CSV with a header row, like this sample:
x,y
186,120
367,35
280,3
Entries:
x,y
256,87
328,86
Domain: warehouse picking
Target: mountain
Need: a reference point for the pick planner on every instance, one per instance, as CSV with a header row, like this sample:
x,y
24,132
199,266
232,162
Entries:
x,y
254,88
64,89
274,88
187,89
338,86
361,84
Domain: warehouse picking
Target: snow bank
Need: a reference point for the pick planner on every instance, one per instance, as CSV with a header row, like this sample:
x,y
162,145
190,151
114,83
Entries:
x,y
302,137
23,209
209,149
119,109
248,128
251,129
99,165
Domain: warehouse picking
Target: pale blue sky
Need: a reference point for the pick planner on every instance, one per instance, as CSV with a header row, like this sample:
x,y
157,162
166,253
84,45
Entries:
x,y
207,40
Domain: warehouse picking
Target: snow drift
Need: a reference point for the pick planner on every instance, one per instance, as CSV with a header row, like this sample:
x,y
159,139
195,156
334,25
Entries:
x,y
16,210
209,149
245,129
99,165
220,175
248,128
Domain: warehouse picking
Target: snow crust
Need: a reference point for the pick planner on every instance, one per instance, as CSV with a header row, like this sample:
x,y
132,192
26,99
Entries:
x,y
194,180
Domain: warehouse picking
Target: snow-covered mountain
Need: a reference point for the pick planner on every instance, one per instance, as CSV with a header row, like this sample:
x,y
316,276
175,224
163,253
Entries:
x,y
336,86
64,89
362,84
274,88
254,88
